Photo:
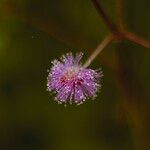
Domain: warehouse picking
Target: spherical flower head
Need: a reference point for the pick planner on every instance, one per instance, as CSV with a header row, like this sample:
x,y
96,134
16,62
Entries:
x,y
71,82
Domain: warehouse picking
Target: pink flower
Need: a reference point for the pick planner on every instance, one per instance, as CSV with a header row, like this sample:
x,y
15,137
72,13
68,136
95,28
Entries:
x,y
71,81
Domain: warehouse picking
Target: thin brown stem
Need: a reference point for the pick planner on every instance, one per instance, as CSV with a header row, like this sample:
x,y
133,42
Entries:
x,y
101,46
104,15
120,13
119,31
136,39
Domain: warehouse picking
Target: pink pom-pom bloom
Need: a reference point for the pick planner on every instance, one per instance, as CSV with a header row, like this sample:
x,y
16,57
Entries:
x,y
71,81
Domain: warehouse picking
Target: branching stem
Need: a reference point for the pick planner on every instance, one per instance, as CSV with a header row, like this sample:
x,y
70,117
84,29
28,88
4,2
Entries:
x,y
117,32
115,29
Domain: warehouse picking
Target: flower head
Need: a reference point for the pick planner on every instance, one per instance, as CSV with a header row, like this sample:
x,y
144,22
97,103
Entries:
x,y
71,81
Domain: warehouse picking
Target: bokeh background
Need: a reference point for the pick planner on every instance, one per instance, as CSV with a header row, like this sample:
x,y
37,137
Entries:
x,y
32,34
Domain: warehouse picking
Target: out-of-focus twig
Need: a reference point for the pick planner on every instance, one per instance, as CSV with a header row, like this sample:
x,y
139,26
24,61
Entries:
x,y
104,15
136,39
120,14
117,30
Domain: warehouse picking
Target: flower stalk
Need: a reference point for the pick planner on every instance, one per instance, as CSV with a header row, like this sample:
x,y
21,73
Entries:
x,y
101,46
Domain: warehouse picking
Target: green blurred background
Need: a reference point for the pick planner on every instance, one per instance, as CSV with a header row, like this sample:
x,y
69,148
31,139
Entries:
x,y
32,34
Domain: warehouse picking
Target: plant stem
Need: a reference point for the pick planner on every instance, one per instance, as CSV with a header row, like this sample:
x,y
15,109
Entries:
x,y
120,13
136,39
104,15
109,38
117,30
